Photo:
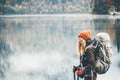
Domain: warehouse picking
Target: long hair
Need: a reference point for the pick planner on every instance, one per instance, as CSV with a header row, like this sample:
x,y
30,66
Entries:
x,y
81,46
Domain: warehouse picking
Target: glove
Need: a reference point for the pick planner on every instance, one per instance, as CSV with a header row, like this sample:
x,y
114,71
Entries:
x,y
74,68
81,73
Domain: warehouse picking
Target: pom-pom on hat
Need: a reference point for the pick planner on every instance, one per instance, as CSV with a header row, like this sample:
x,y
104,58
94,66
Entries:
x,y
84,34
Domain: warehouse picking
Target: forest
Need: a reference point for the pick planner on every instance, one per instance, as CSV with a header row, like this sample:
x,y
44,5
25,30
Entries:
x,y
57,6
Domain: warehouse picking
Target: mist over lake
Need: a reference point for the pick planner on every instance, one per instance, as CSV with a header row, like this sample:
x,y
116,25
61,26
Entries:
x,y
43,47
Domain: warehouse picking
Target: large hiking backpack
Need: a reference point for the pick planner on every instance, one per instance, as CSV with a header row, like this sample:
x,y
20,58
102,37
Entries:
x,y
102,51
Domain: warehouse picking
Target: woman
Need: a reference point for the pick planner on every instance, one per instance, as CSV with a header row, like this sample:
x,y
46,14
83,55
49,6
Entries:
x,y
84,40
94,54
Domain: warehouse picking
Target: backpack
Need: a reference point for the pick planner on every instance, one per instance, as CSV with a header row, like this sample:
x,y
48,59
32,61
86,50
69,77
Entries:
x,y
102,51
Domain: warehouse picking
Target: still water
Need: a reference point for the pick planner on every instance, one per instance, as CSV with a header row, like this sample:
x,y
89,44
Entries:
x,y
43,47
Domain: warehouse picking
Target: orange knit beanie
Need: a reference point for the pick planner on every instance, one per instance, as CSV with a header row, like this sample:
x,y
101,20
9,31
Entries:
x,y
84,34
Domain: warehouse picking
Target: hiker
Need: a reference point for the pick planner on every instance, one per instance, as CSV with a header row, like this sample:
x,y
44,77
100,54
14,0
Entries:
x,y
94,55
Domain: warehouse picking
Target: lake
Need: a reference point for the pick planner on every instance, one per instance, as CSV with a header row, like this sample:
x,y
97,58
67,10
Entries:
x,y
43,47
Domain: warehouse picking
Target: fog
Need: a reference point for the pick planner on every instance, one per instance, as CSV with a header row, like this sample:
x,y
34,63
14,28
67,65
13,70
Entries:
x,y
44,47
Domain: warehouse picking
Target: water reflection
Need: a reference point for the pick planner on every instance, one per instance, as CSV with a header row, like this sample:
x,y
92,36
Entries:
x,y
117,32
53,26
5,52
45,46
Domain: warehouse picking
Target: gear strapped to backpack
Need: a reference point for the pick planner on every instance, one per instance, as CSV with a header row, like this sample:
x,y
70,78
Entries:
x,y
105,49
